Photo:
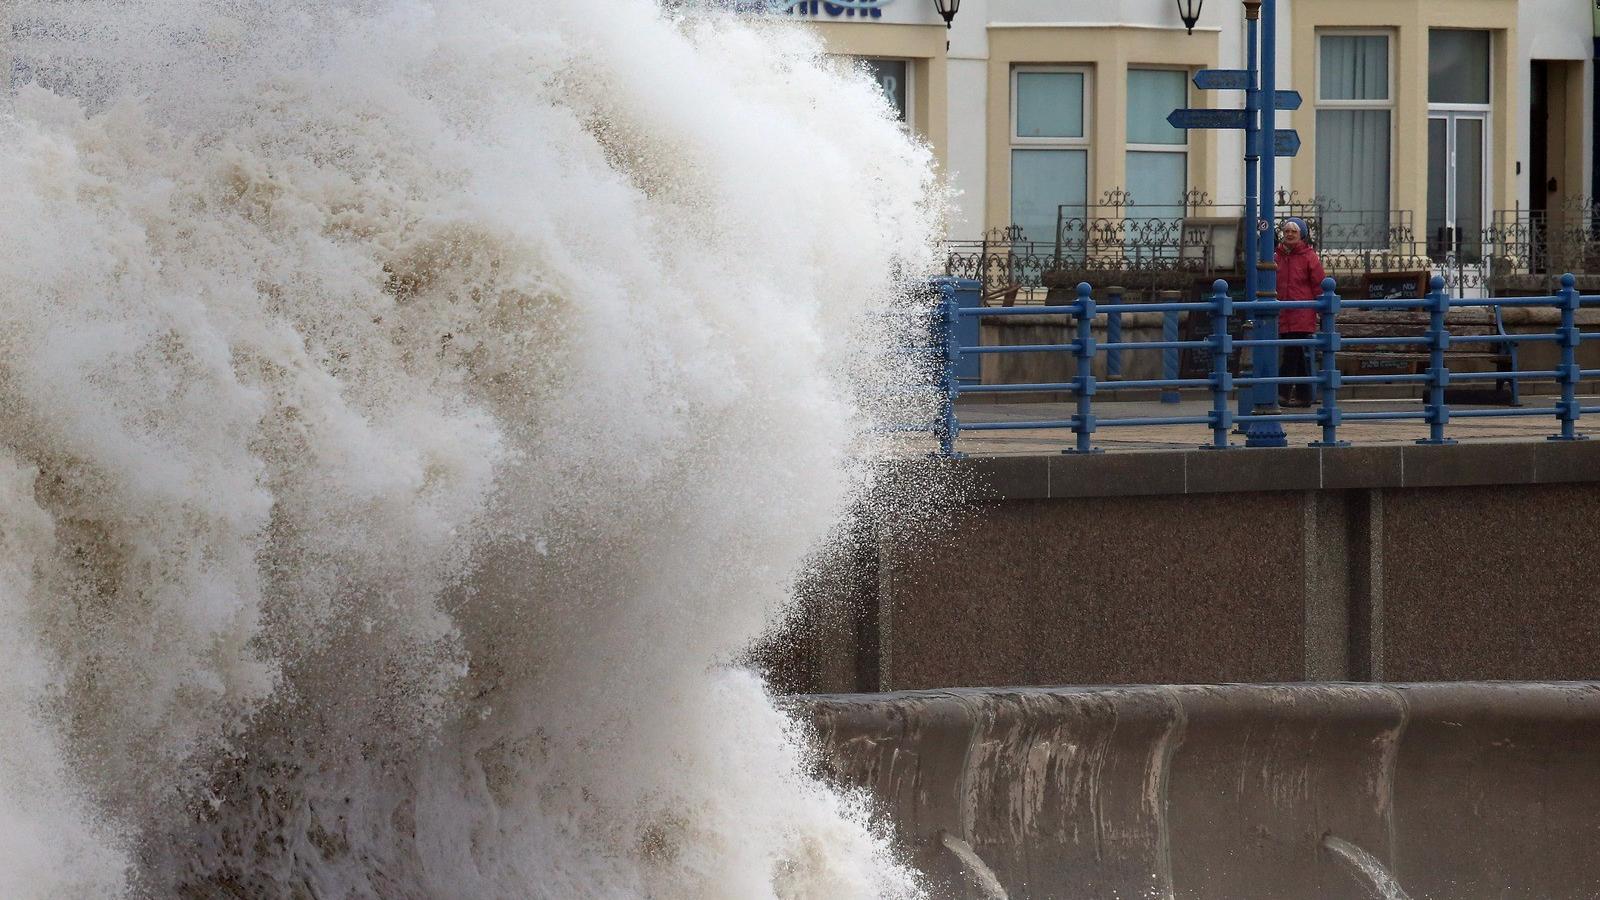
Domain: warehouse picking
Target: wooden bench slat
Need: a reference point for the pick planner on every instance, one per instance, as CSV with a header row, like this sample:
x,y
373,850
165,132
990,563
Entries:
x,y
1390,354
1456,312
1360,331
1466,322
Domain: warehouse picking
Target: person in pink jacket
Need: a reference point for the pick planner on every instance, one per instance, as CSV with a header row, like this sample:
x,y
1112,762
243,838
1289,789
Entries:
x,y
1300,277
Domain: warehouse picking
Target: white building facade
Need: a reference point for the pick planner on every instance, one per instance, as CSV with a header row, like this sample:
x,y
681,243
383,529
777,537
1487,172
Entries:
x,y
1446,113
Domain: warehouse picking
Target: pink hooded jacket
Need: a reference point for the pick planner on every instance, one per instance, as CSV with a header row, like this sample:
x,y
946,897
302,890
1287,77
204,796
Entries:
x,y
1300,277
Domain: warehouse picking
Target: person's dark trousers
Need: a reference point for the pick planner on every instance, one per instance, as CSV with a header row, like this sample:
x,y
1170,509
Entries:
x,y
1296,364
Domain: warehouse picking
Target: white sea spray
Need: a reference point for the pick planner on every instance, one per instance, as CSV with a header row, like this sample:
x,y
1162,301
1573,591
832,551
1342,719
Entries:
x,y
408,410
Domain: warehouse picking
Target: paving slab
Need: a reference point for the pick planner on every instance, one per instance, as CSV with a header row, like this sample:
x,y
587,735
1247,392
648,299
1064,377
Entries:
x,y
1185,437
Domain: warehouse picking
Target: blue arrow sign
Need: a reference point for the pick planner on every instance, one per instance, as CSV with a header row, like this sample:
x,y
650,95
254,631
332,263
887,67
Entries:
x,y
1207,118
1286,142
1286,99
1222,79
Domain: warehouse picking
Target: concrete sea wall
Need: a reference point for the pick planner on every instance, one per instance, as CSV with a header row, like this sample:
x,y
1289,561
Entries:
x,y
1374,563
1236,792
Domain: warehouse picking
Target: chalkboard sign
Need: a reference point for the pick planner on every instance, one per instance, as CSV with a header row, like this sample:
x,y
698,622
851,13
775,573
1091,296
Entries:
x,y
1196,361
1387,286
1394,285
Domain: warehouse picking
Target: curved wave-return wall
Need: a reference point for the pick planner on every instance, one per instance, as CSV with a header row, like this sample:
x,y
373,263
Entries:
x,y
1234,792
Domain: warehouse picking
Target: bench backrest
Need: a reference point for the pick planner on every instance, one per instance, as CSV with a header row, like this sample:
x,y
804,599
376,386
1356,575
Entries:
x,y
1406,322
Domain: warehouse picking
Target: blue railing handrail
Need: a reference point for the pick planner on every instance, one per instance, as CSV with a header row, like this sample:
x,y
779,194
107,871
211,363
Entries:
x,y
1327,340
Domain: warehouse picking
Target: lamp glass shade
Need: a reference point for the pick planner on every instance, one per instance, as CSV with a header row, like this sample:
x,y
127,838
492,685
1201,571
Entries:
x,y
947,9
1189,12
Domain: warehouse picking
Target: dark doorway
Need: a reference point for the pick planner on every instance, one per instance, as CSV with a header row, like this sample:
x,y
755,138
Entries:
x,y
1539,140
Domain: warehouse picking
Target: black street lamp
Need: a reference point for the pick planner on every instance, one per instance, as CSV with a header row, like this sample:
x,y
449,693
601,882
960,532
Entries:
x,y
1189,11
947,9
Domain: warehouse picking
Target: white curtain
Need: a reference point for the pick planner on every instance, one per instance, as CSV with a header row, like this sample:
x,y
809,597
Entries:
x,y
1355,67
1041,182
1353,157
1353,144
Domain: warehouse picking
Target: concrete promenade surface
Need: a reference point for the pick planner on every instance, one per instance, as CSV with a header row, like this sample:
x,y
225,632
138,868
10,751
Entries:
x,y
1185,437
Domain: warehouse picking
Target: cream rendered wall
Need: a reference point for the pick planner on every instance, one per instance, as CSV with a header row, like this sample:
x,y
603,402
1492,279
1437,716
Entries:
x,y
1107,51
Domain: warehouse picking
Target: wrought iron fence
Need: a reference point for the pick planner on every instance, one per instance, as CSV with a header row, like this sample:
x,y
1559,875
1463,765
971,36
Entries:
x,y
1545,242
1007,267
1151,248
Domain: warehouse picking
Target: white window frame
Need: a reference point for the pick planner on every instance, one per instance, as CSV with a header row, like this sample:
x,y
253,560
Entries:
x,y
1485,111
1389,103
1083,142
1022,142
1183,148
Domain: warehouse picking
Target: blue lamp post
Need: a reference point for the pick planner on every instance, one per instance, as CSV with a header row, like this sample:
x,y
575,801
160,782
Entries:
x,y
1263,269
1258,119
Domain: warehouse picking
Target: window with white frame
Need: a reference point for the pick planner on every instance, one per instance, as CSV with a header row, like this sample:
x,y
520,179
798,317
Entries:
x,y
1158,154
1459,115
1355,111
1049,147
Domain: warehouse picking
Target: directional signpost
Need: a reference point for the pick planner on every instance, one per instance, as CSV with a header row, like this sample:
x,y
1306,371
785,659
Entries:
x,y
1285,141
1208,118
1222,80
1258,120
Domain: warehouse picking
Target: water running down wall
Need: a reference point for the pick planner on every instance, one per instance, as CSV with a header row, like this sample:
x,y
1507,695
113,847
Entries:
x,y
407,409
1233,792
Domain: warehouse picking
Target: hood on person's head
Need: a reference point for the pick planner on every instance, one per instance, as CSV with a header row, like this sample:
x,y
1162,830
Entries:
x,y
1305,232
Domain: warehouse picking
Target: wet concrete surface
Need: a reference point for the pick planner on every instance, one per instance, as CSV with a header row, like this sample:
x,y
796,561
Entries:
x,y
1233,792
1176,437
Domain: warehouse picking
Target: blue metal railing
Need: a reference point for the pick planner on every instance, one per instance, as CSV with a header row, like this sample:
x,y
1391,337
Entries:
x,y
1325,378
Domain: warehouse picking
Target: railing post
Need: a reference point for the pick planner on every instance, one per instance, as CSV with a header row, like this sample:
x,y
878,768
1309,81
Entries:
x,y
1083,422
1245,397
950,316
1328,343
1438,376
1114,335
1221,382
1169,357
1568,409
